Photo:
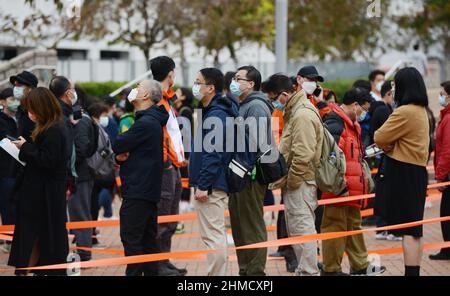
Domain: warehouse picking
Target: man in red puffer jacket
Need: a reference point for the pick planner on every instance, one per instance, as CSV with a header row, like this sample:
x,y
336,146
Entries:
x,y
343,125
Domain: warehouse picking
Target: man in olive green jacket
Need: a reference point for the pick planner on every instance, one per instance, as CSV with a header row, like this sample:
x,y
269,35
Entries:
x,y
301,145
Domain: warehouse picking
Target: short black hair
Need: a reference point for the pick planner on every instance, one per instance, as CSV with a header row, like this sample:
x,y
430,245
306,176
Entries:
x,y
83,99
189,96
373,75
214,77
161,67
59,85
358,95
410,88
253,75
227,80
96,109
294,81
363,84
109,101
446,86
6,93
129,107
279,83
387,87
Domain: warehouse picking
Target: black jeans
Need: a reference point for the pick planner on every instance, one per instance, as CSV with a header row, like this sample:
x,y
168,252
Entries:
x,y
138,229
445,212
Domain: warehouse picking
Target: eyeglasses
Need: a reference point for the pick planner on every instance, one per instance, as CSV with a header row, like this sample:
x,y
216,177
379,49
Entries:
x,y
237,79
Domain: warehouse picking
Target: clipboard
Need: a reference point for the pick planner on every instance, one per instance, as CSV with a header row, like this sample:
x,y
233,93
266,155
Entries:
x,y
11,149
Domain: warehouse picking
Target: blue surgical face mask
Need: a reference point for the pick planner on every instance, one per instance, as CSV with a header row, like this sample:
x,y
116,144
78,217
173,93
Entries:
x,y
104,121
12,107
442,101
278,105
235,88
362,117
394,105
196,91
18,92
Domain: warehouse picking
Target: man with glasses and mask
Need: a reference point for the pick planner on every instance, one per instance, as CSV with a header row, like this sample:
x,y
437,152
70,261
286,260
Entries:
x,y
208,166
246,207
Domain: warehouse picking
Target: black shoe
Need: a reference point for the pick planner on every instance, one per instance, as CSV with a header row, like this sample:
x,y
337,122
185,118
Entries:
x,y
320,266
165,271
181,271
371,270
324,273
291,266
85,258
440,256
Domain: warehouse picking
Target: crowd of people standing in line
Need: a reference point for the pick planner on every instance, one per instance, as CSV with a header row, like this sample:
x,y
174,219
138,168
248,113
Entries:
x,y
75,146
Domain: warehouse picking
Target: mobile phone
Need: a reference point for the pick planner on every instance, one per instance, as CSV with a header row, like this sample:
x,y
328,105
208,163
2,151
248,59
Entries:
x,y
317,92
12,138
77,115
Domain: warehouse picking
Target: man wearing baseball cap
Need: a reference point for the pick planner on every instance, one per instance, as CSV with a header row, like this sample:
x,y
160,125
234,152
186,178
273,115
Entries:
x,y
23,83
307,78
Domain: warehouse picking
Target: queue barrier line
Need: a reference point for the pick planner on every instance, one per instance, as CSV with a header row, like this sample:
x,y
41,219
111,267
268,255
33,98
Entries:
x,y
193,216
189,254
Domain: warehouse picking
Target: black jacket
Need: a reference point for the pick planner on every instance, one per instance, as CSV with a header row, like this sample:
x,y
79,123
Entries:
x,y
379,113
86,143
41,201
26,126
8,165
142,173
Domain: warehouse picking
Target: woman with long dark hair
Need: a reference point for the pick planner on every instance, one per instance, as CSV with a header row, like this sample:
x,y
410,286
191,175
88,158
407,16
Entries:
x,y
405,139
40,235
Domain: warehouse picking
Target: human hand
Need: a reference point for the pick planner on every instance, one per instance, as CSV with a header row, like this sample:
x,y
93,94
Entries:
x,y
122,157
201,196
19,143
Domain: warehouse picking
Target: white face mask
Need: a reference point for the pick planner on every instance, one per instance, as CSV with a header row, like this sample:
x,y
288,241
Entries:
x,y
309,87
104,121
133,95
380,85
442,101
74,98
196,91
18,92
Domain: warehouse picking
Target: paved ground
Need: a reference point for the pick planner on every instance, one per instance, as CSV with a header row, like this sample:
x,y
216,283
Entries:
x,y
191,241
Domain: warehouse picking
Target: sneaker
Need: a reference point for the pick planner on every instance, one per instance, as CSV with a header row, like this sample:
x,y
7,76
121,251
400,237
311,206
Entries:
x,y
394,238
340,273
291,266
382,235
440,256
112,218
371,270
181,271
180,229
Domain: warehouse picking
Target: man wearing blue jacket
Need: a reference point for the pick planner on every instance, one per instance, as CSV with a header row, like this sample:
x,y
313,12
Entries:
x,y
140,153
208,165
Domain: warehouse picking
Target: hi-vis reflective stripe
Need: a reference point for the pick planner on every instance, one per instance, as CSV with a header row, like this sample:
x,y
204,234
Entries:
x,y
196,253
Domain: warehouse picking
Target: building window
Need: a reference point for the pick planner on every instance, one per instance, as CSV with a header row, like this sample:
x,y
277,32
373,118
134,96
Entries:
x,y
113,55
72,54
7,53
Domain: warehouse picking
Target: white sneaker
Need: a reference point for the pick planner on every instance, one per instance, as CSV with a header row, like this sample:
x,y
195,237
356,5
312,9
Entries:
x,y
381,236
392,237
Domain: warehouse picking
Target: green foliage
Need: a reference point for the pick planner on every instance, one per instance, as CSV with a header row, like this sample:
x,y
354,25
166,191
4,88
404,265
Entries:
x,y
340,86
100,89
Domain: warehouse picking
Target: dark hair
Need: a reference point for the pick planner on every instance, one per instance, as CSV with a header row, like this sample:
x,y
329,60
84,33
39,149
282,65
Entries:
x,y
227,80
373,75
279,83
294,81
327,93
416,46
109,101
59,85
214,77
44,105
253,75
96,109
161,67
446,86
387,87
128,107
189,96
363,84
6,93
364,96
410,88
358,95
83,99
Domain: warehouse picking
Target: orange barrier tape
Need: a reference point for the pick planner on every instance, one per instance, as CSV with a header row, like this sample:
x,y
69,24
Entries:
x,y
193,216
190,254
185,183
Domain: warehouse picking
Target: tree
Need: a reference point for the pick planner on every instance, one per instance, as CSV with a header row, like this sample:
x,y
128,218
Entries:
x,y
432,25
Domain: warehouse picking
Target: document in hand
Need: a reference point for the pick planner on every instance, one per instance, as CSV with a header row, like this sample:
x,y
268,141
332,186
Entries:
x,y
11,149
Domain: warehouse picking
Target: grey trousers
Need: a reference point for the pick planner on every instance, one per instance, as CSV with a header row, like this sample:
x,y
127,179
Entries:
x,y
79,206
169,205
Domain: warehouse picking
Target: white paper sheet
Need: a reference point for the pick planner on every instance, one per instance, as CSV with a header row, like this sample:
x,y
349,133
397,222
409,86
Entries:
x,y
11,149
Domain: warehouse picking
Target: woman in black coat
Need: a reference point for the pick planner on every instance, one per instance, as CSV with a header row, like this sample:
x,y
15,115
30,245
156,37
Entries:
x,y
40,235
